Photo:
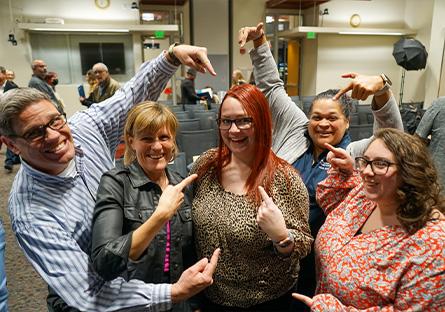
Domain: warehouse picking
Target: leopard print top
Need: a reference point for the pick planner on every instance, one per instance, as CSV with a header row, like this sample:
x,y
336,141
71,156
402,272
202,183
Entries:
x,y
249,271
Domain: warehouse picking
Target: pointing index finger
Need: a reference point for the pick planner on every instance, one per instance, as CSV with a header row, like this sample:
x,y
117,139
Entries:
x,y
205,62
338,152
211,267
181,185
342,91
264,195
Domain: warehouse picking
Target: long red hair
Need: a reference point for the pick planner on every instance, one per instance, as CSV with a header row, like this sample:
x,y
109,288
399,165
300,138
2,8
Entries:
x,y
265,162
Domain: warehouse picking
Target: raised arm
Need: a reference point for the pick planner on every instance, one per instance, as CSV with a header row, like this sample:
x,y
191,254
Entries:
x,y
289,122
109,116
384,106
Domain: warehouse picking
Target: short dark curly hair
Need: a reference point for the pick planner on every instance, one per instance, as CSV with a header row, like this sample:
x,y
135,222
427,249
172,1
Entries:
x,y
345,100
420,191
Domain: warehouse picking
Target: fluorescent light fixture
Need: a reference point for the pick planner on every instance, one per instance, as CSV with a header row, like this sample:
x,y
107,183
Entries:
x,y
370,33
119,30
148,17
98,28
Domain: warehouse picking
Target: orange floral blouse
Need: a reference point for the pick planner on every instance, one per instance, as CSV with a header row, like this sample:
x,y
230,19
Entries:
x,y
384,270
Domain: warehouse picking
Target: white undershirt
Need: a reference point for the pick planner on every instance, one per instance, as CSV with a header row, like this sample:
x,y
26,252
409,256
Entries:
x,y
70,171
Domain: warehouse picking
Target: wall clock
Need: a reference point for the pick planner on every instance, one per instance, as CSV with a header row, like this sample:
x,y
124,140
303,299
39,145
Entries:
x,y
102,4
355,20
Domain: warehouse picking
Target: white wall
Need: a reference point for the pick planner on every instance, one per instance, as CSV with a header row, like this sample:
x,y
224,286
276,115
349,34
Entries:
x,y
211,30
414,90
18,58
337,54
245,13
436,49
369,55
373,13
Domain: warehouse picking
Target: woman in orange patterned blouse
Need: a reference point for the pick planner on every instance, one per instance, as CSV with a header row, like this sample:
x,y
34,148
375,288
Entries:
x,y
382,247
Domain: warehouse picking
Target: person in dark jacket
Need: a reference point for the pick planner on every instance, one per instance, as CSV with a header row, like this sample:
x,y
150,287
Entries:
x,y
37,81
142,223
6,84
188,92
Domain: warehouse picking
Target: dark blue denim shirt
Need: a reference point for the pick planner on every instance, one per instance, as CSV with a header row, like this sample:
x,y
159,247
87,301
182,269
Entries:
x,y
313,173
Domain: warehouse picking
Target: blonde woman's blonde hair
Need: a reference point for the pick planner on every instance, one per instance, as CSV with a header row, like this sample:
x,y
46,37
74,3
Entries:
x,y
237,78
148,117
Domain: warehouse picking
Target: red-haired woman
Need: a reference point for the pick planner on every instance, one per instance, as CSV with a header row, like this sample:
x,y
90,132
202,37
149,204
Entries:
x,y
262,238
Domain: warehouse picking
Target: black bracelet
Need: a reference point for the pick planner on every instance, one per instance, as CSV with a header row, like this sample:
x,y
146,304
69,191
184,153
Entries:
x,y
172,55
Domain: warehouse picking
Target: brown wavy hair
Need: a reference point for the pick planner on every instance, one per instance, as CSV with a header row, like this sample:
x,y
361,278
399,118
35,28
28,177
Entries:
x,y
420,191
266,162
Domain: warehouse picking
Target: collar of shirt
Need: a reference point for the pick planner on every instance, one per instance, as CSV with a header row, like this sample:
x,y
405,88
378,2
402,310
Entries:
x,y
39,175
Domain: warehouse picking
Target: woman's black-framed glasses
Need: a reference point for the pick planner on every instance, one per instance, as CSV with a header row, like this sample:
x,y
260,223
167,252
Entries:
x,y
241,123
378,166
37,134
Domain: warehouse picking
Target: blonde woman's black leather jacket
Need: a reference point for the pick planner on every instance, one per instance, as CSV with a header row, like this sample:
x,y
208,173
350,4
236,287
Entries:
x,y
125,199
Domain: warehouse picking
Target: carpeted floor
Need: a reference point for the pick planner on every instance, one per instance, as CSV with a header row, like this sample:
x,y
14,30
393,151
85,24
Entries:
x,y
27,291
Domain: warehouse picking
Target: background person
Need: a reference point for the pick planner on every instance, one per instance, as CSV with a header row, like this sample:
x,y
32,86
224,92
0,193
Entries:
x,y
433,124
188,92
142,224
6,84
262,239
382,245
37,81
300,140
106,86
237,78
52,79
53,196
10,75
90,78
6,80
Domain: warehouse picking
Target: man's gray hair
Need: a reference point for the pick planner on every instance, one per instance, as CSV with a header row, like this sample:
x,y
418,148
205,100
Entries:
x,y
15,101
101,66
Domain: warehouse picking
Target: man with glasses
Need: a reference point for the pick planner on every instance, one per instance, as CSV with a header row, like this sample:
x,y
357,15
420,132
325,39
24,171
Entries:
x,y
37,81
53,196
105,88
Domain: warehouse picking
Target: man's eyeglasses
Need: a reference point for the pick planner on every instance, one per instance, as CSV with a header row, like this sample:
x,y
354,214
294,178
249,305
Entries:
x,y
37,134
378,166
241,123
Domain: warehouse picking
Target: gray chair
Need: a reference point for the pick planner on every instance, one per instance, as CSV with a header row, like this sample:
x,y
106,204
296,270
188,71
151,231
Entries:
x,y
194,143
179,165
176,108
182,115
189,124
354,119
296,100
207,122
358,132
205,113
365,114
